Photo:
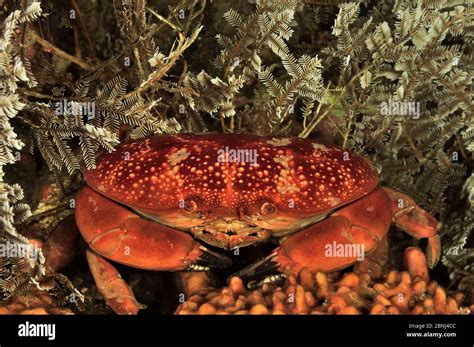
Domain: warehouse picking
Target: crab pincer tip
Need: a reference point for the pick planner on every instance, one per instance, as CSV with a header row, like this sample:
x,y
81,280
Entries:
x,y
209,259
259,270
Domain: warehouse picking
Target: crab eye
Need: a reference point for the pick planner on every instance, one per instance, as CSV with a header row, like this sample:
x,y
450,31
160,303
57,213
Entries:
x,y
267,208
190,206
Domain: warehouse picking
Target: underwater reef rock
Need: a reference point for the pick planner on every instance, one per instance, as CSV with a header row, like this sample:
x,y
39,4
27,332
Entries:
x,y
35,303
319,293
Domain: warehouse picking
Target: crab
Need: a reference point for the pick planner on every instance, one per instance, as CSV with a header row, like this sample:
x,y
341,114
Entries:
x,y
159,204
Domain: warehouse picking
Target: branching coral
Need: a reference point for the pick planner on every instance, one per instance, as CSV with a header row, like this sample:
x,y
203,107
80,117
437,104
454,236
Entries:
x,y
16,272
51,296
426,151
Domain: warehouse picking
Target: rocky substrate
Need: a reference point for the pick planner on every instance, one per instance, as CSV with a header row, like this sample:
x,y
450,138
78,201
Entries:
x,y
36,303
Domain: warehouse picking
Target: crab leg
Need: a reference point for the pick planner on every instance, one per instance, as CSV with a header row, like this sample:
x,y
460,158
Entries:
x,y
334,243
409,217
123,236
114,289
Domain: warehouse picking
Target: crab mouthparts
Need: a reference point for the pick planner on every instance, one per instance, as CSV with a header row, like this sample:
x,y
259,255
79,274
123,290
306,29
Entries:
x,y
229,235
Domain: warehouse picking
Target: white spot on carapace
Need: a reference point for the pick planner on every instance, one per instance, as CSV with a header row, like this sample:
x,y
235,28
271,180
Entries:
x,y
285,185
333,201
283,160
320,147
178,156
279,142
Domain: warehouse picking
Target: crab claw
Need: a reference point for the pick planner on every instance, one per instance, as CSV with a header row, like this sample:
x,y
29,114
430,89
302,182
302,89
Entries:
x,y
121,235
308,248
357,229
259,270
209,259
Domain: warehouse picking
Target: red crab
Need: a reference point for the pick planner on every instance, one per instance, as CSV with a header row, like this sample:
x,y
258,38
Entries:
x,y
155,203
